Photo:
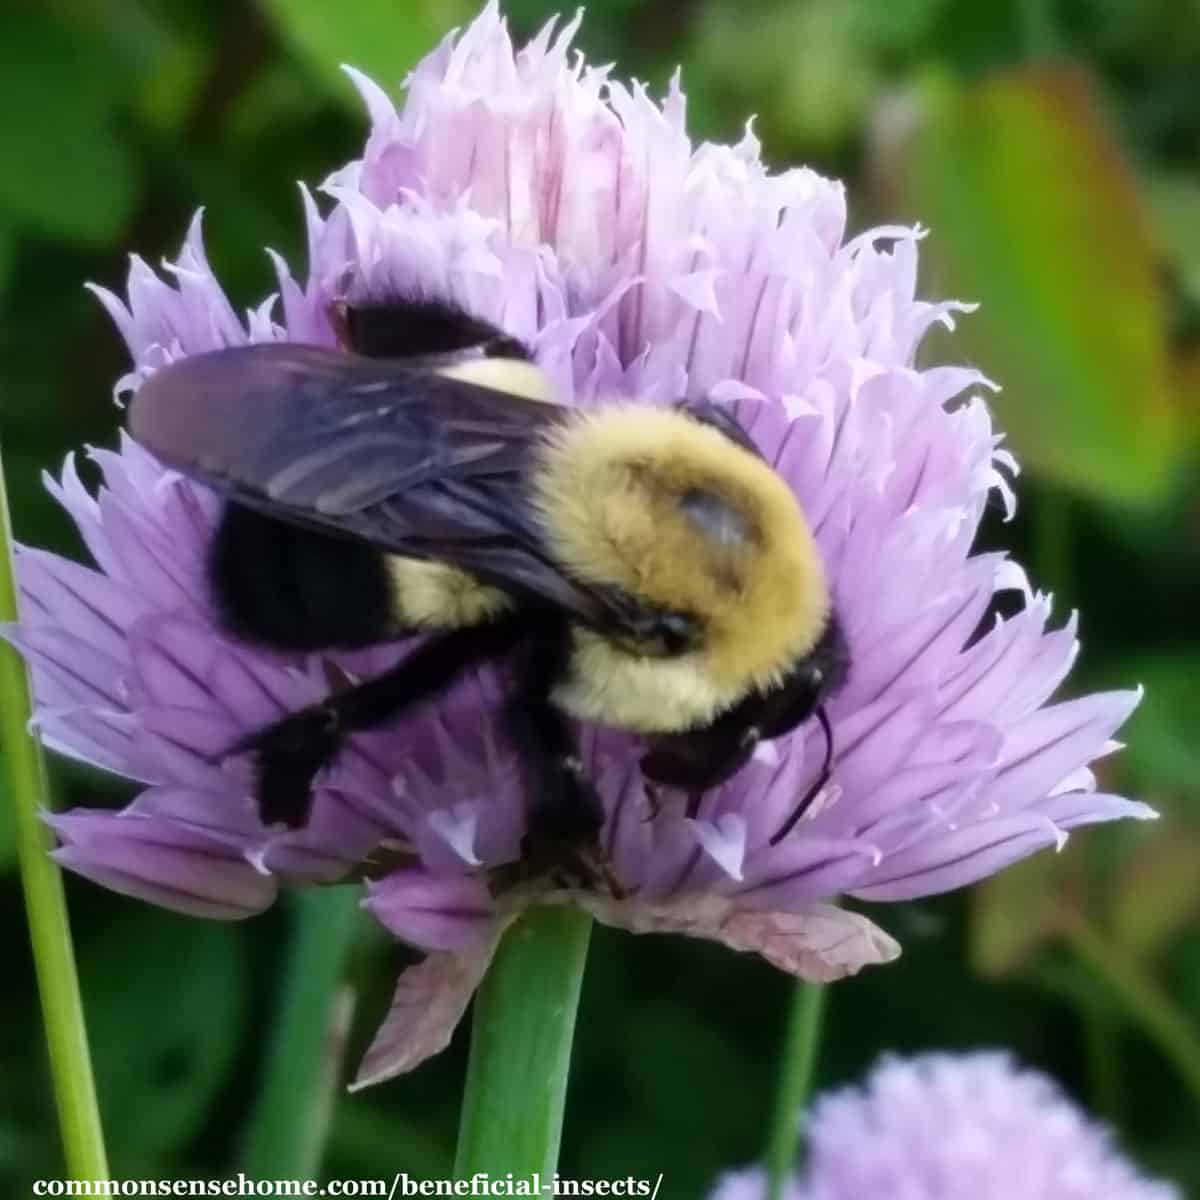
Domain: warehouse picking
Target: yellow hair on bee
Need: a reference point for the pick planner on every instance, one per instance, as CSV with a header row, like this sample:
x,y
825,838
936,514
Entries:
x,y
513,375
433,595
668,509
615,685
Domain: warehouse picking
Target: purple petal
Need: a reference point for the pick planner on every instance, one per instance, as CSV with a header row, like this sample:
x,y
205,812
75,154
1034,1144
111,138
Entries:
x,y
805,868
107,739
433,912
97,609
428,1004
819,943
68,671
1043,748
957,858
162,861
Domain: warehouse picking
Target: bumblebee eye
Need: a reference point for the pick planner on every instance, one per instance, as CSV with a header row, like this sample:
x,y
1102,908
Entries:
x,y
677,632
658,631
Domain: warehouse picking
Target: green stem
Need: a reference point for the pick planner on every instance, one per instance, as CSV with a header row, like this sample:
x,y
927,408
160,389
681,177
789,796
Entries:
x,y
1143,999
291,1123
521,1046
24,779
799,1065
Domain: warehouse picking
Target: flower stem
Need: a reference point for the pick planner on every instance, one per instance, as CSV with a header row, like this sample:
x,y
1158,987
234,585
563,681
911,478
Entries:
x,y
1142,998
521,1046
291,1123
23,777
799,1064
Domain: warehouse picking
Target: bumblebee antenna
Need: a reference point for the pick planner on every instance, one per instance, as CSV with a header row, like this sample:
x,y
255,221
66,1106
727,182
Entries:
x,y
812,793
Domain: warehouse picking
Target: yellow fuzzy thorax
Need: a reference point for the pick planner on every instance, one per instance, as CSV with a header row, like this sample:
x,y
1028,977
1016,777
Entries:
x,y
613,490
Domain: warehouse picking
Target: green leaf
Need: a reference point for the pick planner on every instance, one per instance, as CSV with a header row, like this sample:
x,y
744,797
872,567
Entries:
x,y
168,85
807,70
382,38
64,171
899,26
1162,748
165,999
1034,214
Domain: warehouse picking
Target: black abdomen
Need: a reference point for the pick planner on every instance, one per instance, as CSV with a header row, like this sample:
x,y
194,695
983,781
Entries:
x,y
295,589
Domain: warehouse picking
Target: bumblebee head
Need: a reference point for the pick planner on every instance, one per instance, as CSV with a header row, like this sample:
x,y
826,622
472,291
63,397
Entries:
x,y
692,522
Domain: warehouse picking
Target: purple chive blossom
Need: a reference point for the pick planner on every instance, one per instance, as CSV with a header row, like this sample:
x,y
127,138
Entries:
x,y
944,1127
574,211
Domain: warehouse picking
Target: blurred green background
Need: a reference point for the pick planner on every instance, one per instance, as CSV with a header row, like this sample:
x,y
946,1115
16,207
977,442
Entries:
x,y
1053,148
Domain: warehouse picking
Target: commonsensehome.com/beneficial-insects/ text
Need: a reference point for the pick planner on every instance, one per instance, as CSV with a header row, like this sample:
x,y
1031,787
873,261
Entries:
x,y
400,1184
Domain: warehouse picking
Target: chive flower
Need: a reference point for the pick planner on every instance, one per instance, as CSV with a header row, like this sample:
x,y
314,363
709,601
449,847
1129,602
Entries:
x,y
944,1126
573,210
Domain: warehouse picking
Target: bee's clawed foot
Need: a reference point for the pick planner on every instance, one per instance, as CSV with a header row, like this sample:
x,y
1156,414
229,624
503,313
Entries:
x,y
561,842
569,865
653,802
287,757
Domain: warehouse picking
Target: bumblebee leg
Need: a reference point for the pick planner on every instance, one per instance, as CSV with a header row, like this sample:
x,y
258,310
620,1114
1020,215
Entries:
x,y
608,877
287,757
289,753
563,806
589,868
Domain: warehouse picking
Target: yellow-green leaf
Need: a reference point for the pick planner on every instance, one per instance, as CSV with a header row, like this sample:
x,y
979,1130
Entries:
x,y
1014,913
1034,214
1159,894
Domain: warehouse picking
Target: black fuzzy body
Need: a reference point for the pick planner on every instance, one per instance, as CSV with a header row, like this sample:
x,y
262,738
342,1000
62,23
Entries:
x,y
291,588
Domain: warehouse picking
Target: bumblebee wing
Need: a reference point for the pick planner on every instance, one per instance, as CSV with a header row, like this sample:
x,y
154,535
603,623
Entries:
x,y
400,455
326,432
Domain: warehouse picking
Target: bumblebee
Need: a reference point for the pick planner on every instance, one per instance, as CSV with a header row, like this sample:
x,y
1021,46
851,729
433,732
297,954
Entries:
x,y
635,566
